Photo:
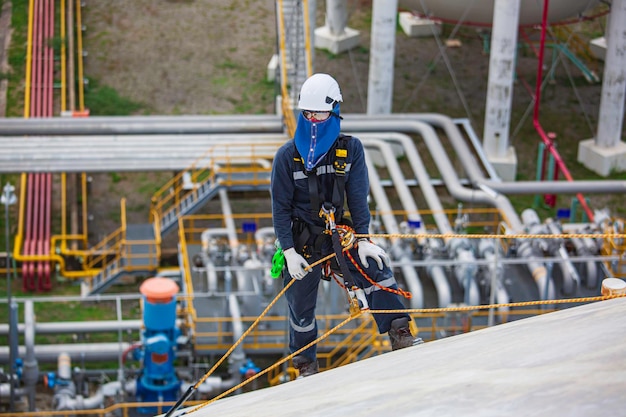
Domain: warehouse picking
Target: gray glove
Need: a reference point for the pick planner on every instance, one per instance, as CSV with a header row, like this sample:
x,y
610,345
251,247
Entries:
x,y
296,264
368,250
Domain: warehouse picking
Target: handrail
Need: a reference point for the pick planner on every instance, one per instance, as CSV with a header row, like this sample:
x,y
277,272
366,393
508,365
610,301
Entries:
x,y
224,160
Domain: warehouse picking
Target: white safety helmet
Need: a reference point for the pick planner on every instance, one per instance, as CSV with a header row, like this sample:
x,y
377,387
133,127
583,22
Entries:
x,y
320,92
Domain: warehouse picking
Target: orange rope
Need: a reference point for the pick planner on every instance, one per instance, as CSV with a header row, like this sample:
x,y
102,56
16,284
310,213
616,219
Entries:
x,y
403,293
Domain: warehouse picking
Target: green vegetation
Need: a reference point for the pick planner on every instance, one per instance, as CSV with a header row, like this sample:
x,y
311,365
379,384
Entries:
x,y
102,100
17,59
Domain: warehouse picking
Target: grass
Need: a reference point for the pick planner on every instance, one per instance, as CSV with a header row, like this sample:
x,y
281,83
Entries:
x,y
102,100
17,58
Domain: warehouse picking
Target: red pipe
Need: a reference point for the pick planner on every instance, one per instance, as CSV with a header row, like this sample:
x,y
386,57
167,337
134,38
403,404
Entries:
x,y
560,164
36,274
46,283
28,232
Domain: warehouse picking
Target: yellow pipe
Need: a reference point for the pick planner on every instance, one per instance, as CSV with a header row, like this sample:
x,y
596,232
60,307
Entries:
x,y
79,44
20,222
63,209
307,38
85,216
29,59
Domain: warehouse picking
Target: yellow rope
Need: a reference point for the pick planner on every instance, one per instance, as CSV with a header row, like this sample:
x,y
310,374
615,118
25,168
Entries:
x,y
489,306
353,316
490,236
418,310
253,325
280,362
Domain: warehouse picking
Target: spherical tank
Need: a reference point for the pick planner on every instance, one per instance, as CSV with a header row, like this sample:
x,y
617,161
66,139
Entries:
x,y
480,12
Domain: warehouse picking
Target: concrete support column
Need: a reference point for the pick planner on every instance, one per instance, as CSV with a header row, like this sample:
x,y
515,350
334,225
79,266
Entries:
x,y
607,152
335,35
500,88
382,52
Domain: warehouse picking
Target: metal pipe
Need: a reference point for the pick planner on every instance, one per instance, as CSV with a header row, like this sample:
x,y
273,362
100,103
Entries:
x,y
373,140
238,355
137,125
420,124
449,175
391,226
358,122
31,366
460,248
231,228
571,279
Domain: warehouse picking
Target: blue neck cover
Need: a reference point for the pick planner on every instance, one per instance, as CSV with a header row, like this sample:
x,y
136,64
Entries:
x,y
314,139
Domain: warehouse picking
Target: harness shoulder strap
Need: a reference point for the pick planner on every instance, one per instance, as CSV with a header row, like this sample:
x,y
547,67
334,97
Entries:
x,y
340,164
340,150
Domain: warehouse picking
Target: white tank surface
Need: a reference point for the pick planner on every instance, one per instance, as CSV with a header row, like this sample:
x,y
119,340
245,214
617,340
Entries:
x,y
480,12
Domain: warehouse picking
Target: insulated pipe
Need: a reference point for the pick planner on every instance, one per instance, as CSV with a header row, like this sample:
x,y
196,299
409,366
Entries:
x,y
410,275
535,248
537,269
571,279
124,125
420,124
231,228
77,351
127,153
209,257
212,385
498,293
450,177
373,140
238,355
465,155
30,366
465,270
584,250
265,238
438,275
74,326
460,247
65,401
406,198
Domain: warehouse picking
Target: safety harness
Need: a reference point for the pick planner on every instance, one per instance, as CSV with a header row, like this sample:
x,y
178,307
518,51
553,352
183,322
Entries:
x,y
339,165
309,238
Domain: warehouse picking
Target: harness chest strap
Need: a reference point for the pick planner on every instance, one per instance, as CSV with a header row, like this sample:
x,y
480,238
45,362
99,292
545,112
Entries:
x,y
340,164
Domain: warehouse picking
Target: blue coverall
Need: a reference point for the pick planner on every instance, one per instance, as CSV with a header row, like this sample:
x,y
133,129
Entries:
x,y
291,202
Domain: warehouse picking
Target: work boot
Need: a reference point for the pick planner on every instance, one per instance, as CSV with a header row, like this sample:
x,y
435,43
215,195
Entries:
x,y
305,366
400,334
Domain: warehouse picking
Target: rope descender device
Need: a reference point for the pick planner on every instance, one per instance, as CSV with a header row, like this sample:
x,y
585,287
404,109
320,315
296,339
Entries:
x,y
343,242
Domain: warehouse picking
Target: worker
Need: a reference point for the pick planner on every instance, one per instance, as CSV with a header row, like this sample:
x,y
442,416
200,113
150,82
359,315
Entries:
x,y
312,174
